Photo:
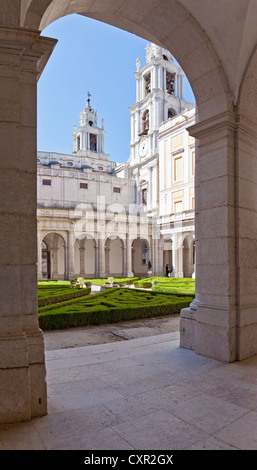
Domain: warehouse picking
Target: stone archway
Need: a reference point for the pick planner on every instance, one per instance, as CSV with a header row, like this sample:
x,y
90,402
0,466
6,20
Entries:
x,y
216,325
188,256
140,257
85,256
114,256
56,256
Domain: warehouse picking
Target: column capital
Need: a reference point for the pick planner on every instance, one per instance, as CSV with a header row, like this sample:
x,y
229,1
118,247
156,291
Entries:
x,y
30,48
227,120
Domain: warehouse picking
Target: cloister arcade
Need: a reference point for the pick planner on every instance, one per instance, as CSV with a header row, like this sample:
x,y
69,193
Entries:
x,y
119,257
215,44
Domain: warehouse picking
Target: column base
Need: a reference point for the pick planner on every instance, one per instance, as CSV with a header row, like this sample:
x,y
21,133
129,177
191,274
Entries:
x,y
22,384
129,274
102,275
210,332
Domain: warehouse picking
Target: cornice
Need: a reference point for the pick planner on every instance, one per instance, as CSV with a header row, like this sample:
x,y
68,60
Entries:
x,y
213,125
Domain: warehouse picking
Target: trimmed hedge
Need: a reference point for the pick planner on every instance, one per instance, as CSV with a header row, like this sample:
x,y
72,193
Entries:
x,y
143,284
172,285
110,306
47,296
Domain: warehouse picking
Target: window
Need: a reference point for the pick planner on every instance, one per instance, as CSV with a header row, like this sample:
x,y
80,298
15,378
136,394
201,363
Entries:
x,y
78,143
144,197
93,142
178,169
83,185
171,113
145,122
46,182
148,83
170,79
178,206
116,190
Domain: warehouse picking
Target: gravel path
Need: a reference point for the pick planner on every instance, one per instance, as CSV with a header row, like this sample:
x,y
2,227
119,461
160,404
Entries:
x,y
122,331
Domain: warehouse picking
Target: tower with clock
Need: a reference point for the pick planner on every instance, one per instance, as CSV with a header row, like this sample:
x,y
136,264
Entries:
x,y
159,96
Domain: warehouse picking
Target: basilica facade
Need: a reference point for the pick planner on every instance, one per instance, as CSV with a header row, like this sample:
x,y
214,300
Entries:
x,y
97,218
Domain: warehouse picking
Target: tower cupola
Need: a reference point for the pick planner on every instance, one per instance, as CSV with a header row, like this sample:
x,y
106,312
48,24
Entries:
x,y
88,139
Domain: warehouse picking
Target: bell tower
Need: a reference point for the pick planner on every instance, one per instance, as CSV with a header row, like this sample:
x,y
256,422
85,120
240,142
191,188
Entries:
x,y
88,139
159,96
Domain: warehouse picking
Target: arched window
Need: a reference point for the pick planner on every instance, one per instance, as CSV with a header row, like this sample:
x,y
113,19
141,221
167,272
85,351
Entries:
x,y
144,196
145,122
93,142
170,79
171,113
148,83
78,142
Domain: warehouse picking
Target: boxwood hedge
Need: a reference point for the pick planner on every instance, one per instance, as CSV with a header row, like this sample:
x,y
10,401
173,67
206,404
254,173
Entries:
x,y
110,306
52,295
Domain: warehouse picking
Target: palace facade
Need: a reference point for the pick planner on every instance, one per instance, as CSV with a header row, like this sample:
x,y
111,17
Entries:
x,y
97,218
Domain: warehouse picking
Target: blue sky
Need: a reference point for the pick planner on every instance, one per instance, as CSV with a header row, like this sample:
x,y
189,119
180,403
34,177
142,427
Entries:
x,y
95,57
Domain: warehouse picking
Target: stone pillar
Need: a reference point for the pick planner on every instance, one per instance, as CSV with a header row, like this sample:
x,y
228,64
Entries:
x,y
22,364
101,258
177,255
70,255
39,257
82,261
210,325
54,256
128,251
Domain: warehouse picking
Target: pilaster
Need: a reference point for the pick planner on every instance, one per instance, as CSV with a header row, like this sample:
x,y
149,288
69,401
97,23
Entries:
x,y
23,54
212,318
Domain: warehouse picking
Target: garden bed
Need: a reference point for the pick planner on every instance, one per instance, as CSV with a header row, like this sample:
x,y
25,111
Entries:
x,y
172,285
60,293
110,306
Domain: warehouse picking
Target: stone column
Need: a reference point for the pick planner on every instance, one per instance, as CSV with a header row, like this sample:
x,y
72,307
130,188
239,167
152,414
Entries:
x,y
210,325
22,364
70,255
39,257
177,255
82,261
101,258
129,272
54,256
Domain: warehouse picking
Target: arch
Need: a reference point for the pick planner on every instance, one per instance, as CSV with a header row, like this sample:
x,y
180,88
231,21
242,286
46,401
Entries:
x,y
167,246
85,255
140,256
54,257
188,255
114,256
171,113
145,123
169,25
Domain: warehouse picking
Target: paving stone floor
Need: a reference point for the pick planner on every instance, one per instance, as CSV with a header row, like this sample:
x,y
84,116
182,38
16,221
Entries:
x,y
141,394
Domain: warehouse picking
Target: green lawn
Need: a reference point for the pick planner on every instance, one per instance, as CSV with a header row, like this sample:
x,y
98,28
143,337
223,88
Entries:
x,y
117,304
172,285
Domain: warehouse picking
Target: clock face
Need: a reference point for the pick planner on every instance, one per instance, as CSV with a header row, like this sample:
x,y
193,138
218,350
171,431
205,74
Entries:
x,y
143,148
